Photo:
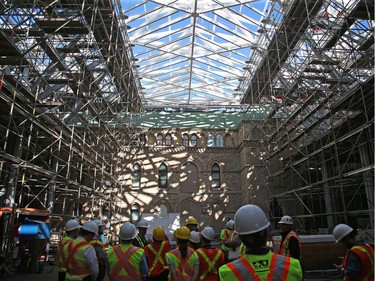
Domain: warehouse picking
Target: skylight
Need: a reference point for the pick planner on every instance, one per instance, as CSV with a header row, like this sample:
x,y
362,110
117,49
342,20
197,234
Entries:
x,y
194,54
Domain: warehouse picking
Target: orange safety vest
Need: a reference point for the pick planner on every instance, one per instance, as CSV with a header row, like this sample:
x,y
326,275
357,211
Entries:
x,y
279,269
122,266
155,255
60,254
184,268
210,259
366,255
284,247
76,266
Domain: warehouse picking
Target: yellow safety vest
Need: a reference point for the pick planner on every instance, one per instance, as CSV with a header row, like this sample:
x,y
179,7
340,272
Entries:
x,y
124,262
184,268
76,266
60,252
226,234
270,267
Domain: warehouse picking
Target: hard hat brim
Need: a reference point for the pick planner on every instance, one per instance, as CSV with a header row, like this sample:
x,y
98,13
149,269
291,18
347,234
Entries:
x,y
283,222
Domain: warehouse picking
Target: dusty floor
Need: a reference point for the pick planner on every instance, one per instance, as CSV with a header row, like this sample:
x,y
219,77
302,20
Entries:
x,y
50,274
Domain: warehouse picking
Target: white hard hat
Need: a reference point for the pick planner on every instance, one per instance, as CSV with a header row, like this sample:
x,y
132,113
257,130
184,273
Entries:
x,y
286,220
128,231
208,233
142,224
99,223
230,224
341,231
250,219
90,226
71,225
194,237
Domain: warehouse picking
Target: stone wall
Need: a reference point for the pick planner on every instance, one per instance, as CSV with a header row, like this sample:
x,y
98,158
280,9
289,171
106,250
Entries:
x,y
189,189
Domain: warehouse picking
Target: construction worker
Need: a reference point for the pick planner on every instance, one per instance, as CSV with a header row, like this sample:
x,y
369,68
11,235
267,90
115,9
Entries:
x,y
155,255
125,261
183,261
71,233
81,262
100,250
259,263
195,240
290,243
192,224
358,263
140,240
210,258
229,241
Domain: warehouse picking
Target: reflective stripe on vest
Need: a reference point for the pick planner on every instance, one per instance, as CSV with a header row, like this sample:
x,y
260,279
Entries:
x,y
98,243
123,262
61,257
211,264
279,268
366,255
228,235
284,248
76,266
140,241
158,257
183,269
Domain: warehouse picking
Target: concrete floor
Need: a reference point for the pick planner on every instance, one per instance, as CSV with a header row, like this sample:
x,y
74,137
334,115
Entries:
x,y
50,274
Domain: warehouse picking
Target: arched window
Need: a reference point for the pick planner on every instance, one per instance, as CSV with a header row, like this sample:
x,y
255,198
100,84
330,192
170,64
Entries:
x,y
194,140
219,140
136,175
215,175
163,176
211,140
135,215
185,140
168,139
159,139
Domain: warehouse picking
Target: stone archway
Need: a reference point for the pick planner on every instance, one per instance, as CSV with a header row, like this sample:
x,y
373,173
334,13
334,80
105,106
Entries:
x,y
189,208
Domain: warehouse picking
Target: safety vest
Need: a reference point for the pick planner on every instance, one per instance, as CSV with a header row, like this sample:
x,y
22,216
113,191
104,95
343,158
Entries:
x,y
210,259
226,234
155,255
284,247
124,262
366,255
242,250
184,267
270,267
60,254
98,243
142,242
76,266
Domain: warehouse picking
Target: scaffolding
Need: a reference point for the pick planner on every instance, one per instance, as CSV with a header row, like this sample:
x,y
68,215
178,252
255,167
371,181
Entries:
x,y
66,74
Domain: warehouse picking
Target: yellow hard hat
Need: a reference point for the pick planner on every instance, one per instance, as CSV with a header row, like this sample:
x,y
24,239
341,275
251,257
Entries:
x,y
159,233
182,233
191,220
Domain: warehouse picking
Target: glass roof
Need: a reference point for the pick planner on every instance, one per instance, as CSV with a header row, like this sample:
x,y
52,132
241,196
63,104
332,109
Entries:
x,y
194,54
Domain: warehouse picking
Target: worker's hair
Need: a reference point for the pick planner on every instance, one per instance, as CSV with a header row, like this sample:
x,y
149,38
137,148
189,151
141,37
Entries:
x,y
255,240
183,246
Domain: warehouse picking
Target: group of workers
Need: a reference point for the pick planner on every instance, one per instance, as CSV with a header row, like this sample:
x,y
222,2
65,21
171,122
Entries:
x,y
242,255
